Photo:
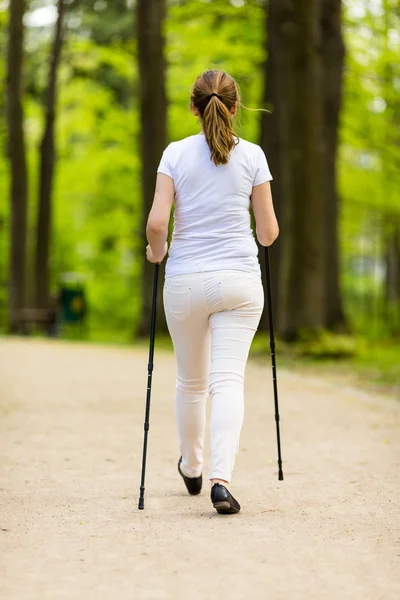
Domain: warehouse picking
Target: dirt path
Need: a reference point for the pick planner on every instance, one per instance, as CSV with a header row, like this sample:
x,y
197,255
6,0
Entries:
x,y
71,427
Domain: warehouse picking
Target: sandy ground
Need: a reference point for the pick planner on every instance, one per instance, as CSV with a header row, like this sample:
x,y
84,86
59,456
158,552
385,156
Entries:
x,y
71,430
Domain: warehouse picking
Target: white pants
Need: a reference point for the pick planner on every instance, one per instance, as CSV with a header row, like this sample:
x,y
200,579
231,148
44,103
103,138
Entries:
x,y
212,318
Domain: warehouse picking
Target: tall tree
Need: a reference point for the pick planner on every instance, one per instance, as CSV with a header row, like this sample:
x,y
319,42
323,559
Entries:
x,y
153,113
273,128
298,124
391,234
333,61
392,287
393,264
303,306
16,150
47,159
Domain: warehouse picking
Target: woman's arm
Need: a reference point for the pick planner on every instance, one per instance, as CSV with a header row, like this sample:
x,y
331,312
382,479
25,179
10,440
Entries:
x,y
266,224
157,223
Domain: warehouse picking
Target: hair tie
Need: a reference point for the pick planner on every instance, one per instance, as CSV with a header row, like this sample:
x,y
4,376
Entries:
x,y
214,94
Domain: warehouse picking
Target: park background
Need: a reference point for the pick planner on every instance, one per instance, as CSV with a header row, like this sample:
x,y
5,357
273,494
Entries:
x,y
91,92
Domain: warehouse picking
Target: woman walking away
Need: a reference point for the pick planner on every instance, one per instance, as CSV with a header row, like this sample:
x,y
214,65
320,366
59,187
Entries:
x,y
213,294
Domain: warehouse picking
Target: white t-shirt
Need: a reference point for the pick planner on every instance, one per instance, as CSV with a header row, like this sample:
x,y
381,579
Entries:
x,y
212,228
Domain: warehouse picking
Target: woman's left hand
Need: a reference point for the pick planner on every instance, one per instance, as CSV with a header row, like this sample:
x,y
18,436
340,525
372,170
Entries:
x,y
156,259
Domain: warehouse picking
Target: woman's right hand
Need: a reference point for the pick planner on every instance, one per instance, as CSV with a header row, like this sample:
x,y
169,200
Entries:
x,y
155,259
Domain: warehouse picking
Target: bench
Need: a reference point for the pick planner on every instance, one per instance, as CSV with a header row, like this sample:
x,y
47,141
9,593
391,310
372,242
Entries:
x,y
45,319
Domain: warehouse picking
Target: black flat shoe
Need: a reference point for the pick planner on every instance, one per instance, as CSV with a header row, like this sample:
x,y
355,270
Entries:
x,y
223,501
193,484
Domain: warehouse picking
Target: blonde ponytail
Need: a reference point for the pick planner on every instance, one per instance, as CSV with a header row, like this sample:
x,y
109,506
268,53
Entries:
x,y
214,95
217,126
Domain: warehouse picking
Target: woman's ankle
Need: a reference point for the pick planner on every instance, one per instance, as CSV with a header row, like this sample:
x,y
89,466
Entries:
x,y
221,481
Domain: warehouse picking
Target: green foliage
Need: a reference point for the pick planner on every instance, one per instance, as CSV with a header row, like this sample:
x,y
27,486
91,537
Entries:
x,y
372,365
326,345
97,197
369,164
214,35
379,363
321,346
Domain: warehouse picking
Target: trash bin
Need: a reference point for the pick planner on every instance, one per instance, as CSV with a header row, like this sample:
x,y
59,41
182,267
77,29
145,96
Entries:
x,y
72,299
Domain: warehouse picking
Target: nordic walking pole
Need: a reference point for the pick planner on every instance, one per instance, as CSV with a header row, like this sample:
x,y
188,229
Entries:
x,y
272,346
149,378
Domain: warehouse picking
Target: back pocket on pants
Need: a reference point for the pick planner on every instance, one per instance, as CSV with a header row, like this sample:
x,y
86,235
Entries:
x,y
240,290
177,300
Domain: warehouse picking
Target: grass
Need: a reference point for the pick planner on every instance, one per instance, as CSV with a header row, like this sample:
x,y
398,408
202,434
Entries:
x,y
373,366
379,363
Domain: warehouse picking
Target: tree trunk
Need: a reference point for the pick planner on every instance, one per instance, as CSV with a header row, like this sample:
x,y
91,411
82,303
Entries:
x,y
333,60
153,113
301,103
389,183
273,134
16,149
47,158
393,267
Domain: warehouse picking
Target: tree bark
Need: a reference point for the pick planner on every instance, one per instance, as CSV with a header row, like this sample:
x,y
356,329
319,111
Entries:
x,y
301,101
16,150
153,115
333,52
391,138
47,159
273,133
393,267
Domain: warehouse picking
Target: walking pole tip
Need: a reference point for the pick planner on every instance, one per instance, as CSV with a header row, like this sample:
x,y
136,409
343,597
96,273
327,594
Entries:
x,y
141,504
280,476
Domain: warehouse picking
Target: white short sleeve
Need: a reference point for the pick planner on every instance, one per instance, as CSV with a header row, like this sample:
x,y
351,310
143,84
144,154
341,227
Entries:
x,y
261,172
165,165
